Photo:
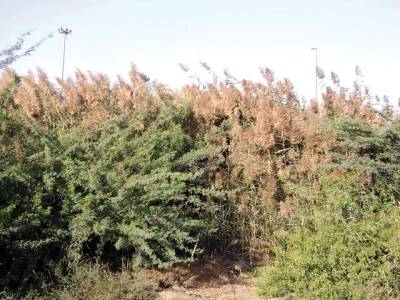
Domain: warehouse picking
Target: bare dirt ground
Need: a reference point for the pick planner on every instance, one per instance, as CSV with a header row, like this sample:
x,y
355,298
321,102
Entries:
x,y
209,279
231,291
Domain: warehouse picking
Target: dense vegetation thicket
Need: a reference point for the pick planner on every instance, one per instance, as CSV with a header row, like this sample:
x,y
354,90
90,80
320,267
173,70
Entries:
x,y
93,172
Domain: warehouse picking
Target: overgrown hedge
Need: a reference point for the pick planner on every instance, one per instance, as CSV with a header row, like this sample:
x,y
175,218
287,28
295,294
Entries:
x,y
101,173
116,192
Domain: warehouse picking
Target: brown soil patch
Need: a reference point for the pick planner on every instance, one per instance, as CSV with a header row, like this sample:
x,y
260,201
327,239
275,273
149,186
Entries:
x,y
215,278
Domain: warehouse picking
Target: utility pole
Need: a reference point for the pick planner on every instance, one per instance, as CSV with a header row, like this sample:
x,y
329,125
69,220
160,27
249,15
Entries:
x,y
316,73
65,32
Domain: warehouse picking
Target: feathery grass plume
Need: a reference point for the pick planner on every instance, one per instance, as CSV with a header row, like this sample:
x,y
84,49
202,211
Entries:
x,y
27,97
386,99
215,77
183,67
51,100
335,78
268,75
320,73
367,92
358,71
123,93
205,66
230,79
7,77
140,88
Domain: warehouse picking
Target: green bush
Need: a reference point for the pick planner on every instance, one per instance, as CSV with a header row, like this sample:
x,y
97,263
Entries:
x,y
33,231
138,191
337,260
131,188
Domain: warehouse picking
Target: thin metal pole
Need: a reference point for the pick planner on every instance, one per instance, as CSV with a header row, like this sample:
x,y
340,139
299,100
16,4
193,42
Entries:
x,y
63,61
65,32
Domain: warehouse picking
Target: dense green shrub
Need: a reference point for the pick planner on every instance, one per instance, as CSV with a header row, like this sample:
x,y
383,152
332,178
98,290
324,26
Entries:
x,y
32,230
337,260
373,153
138,190
131,188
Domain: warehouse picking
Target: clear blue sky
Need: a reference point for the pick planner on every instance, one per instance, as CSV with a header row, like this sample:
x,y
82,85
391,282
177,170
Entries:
x,y
238,35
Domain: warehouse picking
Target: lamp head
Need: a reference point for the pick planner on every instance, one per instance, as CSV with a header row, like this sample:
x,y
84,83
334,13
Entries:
x,y
64,30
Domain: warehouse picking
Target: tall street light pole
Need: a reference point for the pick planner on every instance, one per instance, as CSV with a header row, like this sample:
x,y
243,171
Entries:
x,y
316,73
65,32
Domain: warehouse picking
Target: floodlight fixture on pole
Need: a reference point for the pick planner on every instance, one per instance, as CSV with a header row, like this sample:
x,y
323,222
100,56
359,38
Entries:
x,y
316,72
65,32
